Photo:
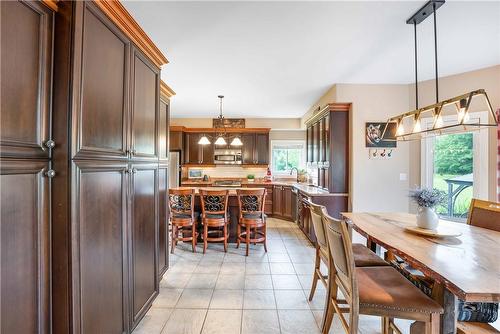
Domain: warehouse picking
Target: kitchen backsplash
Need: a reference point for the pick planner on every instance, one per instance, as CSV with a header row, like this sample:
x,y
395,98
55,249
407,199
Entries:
x,y
230,171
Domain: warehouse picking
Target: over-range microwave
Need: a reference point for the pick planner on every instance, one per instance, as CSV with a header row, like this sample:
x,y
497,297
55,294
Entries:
x,y
227,156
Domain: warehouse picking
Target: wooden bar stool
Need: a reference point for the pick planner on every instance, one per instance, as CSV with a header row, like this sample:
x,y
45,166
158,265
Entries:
x,y
214,215
363,257
379,291
252,217
182,216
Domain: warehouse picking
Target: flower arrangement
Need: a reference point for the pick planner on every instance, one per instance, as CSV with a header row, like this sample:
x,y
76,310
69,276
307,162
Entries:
x,y
428,198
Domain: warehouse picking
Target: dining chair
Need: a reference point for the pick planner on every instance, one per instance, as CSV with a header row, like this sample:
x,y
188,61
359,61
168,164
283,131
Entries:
x,y
484,214
363,257
214,216
182,216
252,217
377,291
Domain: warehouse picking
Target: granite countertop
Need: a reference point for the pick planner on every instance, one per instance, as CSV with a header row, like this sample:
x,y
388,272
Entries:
x,y
305,188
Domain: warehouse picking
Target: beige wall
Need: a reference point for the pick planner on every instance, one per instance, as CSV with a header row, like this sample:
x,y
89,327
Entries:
x,y
329,97
273,123
451,86
375,185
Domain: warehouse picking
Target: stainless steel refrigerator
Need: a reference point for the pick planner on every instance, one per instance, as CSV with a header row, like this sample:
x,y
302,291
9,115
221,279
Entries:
x,y
175,169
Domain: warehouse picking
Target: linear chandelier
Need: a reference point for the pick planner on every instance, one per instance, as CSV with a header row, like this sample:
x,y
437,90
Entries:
x,y
448,116
221,134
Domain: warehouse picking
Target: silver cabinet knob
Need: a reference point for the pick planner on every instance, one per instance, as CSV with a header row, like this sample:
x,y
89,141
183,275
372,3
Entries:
x,y
50,143
50,173
134,170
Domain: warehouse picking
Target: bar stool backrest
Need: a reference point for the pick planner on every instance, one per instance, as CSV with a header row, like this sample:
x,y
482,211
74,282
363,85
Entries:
x,y
251,201
319,227
341,257
181,202
214,202
484,214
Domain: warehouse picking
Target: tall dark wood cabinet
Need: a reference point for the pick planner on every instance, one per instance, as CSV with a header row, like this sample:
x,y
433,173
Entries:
x,y
83,168
27,32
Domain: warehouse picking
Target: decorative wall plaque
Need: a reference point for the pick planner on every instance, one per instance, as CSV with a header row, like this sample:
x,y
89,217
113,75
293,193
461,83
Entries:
x,y
229,123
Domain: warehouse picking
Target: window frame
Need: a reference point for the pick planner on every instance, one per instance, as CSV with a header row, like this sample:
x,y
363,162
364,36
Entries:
x,y
284,142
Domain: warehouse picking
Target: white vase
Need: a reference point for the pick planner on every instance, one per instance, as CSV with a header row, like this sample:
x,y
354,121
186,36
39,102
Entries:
x,y
427,218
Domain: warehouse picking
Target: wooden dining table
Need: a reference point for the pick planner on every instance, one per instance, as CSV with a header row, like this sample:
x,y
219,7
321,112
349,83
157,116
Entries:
x,y
465,267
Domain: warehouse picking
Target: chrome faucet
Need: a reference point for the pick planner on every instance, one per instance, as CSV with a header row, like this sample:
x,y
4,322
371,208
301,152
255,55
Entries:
x,y
297,170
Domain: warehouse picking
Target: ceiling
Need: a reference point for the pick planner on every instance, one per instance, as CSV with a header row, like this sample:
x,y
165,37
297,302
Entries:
x,y
275,59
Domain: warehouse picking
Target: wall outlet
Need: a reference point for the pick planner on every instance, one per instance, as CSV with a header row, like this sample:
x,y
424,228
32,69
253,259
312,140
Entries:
x,y
403,176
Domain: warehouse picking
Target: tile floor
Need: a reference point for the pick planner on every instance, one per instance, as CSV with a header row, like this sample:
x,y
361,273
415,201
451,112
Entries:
x,y
229,293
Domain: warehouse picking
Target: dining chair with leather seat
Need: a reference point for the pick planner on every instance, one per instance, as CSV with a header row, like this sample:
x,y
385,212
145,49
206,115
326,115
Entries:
x,y
484,214
363,257
182,216
252,217
377,291
214,216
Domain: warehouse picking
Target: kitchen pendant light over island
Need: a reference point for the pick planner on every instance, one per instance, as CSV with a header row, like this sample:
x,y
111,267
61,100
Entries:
x,y
222,133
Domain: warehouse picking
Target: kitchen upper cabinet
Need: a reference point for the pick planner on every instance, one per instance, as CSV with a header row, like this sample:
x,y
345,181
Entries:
x,y
145,115
176,141
248,148
315,142
102,70
25,246
100,253
195,153
309,143
26,67
144,238
163,214
163,131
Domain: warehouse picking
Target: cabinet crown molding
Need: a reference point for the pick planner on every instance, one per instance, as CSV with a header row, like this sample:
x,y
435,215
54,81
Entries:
x,y
165,91
52,4
213,130
344,106
126,23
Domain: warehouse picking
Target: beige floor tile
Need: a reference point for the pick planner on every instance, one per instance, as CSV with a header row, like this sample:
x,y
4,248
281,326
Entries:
x,y
175,280
229,268
222,321
319,299
260,322
153,321
256,268
238,256
291,300
202,281
297,322
208,267
195,298
167,297
278,268
257,257
259,300
281,282
278,257
305,268
227,299
230,281
185,321
263,282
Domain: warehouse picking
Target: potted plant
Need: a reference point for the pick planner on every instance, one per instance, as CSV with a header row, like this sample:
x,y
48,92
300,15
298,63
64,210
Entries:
x,y
427,200
250,178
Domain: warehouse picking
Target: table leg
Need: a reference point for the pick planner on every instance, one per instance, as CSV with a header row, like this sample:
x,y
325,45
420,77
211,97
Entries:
x,y
450,304
373,246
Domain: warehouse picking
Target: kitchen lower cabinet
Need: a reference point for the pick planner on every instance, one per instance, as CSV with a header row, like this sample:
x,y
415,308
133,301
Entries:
x,y
25,246
282,202
163,214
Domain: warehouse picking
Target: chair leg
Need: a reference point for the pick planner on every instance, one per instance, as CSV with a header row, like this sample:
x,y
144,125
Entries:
x,y
193,238
225,237
174,230
205,236
265,237
238,232
317,264
328,317
353,322
386,325
247,239
433,326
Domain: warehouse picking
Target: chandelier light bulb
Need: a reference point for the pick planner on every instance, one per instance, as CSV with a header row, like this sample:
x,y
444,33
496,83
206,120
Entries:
x,y
401,129
204,140
236,142
417,127
220,141
439,121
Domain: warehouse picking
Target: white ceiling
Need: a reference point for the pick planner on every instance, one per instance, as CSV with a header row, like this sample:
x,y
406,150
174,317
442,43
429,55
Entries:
x,y
275,59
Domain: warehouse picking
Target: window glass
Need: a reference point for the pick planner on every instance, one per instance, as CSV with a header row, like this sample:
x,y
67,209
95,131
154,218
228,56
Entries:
x,y
287,155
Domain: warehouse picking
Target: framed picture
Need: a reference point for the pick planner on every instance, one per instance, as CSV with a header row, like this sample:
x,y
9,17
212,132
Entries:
x,y
374,132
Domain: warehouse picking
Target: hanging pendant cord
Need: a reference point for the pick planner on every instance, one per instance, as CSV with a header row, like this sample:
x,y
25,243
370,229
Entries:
x,y
435,53
416,64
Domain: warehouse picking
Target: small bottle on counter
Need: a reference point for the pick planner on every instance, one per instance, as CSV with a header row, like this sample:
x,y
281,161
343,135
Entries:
x,y
269,176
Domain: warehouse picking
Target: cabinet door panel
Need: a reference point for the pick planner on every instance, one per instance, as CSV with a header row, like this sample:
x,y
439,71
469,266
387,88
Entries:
x,y
192,150
145,117
144,241
101,258
315,141
163,137
25,279
163,220
248,148
277,201
287,202
262,148
207,156
102,111
26,67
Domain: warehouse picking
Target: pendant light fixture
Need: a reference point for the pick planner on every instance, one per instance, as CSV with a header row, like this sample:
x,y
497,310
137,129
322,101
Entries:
x,y
409,126
221,131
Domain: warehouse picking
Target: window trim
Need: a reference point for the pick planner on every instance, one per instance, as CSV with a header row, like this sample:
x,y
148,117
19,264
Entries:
x,y
286,173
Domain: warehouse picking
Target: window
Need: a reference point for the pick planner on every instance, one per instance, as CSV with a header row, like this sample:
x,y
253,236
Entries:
x,y
287,155
457,165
